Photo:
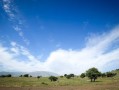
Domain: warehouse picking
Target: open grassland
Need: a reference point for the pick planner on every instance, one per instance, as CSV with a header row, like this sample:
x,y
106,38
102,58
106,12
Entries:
x,y
43,83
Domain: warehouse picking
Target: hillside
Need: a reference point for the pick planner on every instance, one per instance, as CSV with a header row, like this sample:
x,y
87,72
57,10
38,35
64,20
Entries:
x,y
34,74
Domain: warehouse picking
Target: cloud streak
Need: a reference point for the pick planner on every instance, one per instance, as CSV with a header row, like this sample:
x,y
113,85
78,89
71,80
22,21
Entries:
x,y
13,16
98,52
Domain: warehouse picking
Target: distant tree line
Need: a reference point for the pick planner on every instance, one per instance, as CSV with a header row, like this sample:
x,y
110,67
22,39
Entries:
x,y
25,75
68,76
93,74
8,75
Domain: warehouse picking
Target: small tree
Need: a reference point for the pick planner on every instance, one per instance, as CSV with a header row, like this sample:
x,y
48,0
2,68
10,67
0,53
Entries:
x,y
21,76
38,77
92,73
68,76
53,78
9,75
65,75
3,76
30,76
82,75
103,75
110,74
71,75
26,75
61,76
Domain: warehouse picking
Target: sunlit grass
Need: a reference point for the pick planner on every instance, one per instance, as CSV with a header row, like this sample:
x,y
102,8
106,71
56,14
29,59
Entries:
x,y
44,81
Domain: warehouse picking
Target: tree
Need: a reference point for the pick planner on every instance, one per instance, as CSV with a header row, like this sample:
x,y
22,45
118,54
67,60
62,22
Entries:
x,y
3,76
38,77
21,76
93,73
30,76
68,76
103,74
110,74
71,75
53,78
65,75
61,76
82,75
9,75
26,75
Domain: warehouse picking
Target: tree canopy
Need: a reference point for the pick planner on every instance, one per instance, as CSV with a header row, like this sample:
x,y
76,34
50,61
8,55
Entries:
x,y
53,78
93,73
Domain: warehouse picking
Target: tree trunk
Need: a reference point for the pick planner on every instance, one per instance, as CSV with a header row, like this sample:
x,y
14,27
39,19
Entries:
x,y
94,79
91,79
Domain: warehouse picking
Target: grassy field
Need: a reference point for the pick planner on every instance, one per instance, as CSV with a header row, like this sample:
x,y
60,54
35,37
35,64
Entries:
x,y
76,83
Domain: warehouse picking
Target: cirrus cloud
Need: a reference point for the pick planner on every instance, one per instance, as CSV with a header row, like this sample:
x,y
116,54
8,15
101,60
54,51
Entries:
x,y
14,17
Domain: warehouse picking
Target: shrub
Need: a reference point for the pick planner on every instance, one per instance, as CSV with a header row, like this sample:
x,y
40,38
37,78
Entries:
x,y
61,76
110,74
26,75
82,75
38,77
53,78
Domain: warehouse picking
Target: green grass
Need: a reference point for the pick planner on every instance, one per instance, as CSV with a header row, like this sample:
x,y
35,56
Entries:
x,y
44,81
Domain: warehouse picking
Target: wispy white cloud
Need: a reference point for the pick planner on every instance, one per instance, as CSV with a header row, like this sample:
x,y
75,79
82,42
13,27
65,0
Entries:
x,y
96,53
15,18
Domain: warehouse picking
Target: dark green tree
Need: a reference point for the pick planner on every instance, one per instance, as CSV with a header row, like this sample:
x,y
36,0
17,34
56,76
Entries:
x,y
30,76
110,74
65,75
26,75
82,75
21,76
71,75
53,78
68,76
61,76
9,75
3,76
38,77
93,73
103,75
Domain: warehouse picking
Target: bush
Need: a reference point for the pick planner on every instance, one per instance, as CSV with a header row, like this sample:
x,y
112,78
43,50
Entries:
x,y
2,76
103,74
44,83
38,77
110,74
21,76
65,75
26,75
61,76
53,78
82,75
69,76
9,75
30,76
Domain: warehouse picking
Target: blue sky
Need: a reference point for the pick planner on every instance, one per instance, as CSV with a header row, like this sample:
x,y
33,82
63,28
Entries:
x,y
41,33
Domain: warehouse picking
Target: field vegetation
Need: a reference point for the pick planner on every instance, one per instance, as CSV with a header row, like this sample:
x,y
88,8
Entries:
x,y
62,82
